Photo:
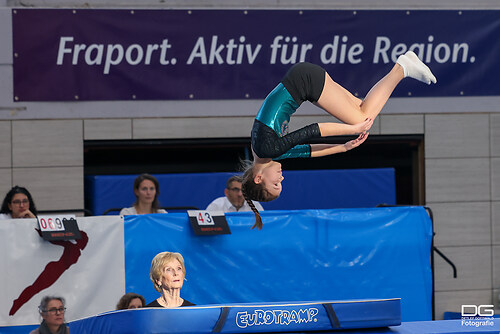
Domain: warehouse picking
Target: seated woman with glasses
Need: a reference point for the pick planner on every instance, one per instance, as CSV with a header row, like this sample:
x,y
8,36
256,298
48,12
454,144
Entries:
x,y
18,203
52,310
234,200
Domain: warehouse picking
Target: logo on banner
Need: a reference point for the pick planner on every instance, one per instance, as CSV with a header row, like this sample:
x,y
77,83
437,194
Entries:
x,y
276,317
54,269
477,315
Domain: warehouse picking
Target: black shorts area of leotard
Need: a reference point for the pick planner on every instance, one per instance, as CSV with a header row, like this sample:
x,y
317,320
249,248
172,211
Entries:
x,y
270,145
304,81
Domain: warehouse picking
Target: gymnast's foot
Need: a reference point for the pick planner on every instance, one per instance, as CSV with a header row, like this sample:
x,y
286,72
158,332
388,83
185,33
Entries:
x,y
414,68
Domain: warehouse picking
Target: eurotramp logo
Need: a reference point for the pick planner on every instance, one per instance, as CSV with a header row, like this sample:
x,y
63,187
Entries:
x,y
276,317
478,315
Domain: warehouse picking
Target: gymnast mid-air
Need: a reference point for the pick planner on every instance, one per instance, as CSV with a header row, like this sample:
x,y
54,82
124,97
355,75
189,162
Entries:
x,y
308,82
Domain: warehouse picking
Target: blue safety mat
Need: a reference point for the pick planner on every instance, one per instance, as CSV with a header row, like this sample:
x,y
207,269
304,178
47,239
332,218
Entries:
x,y
246,318
419,327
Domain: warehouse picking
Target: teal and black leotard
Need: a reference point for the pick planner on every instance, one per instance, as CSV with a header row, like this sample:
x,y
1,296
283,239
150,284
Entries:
x,y
270,137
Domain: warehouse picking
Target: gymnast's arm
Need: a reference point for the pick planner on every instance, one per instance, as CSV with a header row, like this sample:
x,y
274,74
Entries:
x,y
320,150
341,129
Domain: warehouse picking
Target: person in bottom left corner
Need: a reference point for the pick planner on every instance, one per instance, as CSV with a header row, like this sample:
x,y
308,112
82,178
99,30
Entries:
x,y
52,310
18,203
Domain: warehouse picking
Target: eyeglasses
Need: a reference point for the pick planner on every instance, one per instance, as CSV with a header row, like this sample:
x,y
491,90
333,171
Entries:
x,y
18,202
55,310
235,189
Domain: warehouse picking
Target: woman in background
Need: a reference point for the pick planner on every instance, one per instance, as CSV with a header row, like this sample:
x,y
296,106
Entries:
x,y
130,300
146,191
18,203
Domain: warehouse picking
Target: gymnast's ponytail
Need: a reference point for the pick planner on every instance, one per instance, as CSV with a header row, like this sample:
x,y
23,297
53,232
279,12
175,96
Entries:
x,y
258,218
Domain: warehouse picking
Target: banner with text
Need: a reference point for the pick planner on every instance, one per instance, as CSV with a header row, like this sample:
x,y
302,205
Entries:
x,y
86,54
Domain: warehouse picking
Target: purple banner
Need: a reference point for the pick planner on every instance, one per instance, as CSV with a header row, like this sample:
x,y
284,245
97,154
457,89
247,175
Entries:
x,y
67,55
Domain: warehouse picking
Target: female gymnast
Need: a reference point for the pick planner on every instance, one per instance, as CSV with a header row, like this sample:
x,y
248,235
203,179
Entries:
x,y
308,82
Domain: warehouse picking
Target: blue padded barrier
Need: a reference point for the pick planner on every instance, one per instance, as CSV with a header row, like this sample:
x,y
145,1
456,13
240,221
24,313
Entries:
x,y
318,189
338,254
246,318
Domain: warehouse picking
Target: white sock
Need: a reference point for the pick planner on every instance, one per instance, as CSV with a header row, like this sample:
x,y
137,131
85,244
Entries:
x,y
415,68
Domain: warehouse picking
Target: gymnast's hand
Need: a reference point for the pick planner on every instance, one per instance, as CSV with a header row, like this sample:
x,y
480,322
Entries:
x,y
363,126
356,142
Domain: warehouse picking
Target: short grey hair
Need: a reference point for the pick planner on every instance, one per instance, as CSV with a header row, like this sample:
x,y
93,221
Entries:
x,y
46,300
234,178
